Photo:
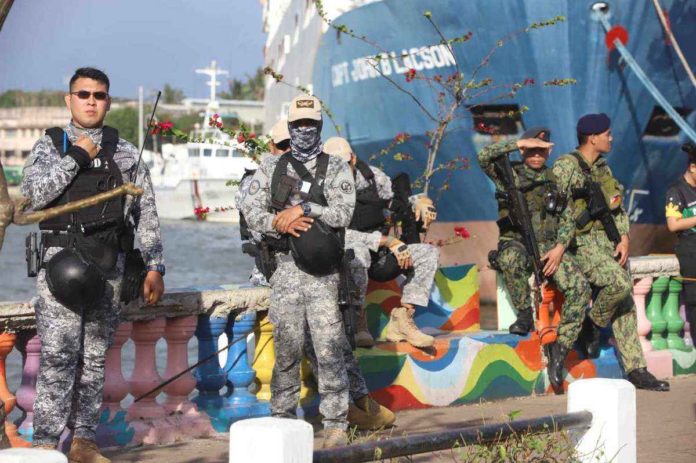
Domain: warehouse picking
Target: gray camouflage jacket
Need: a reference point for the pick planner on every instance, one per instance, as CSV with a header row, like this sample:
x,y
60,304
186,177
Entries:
x,y
46,175
339,190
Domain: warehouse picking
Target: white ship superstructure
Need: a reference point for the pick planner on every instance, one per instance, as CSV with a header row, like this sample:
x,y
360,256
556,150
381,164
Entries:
x,y
294,30
196,175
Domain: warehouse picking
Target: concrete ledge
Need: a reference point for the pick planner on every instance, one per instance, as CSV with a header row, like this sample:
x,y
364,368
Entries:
x,y
217,301
653,266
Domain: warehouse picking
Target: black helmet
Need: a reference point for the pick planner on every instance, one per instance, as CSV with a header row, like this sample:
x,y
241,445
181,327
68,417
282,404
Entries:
x,y
73,280
319,250
384,266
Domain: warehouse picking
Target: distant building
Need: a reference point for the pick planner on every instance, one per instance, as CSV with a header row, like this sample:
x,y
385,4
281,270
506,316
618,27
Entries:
x,y
21,127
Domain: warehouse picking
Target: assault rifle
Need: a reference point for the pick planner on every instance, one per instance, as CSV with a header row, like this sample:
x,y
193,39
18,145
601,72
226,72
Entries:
x,y
519,217
402,211
597,207
348,294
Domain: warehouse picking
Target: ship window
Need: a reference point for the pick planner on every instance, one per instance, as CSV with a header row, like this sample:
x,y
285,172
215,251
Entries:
x,y
194,153
222,153
207,152
25,154
237,154
662,125
503,119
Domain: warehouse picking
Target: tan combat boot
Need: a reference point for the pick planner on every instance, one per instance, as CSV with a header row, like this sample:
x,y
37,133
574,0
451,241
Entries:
x,y
368,415
85,451
335,437
363,338
401,327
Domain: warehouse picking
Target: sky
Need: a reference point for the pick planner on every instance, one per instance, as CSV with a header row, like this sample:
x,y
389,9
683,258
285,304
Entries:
x,y
136,42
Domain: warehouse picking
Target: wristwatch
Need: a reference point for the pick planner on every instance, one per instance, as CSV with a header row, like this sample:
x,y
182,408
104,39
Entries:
x,y
306,209
156,268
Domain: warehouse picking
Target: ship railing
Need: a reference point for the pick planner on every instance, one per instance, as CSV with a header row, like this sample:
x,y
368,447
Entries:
x,y
213,317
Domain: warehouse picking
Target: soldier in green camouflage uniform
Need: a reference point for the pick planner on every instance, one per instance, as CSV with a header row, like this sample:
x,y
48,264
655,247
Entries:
x,y
597,256
553,230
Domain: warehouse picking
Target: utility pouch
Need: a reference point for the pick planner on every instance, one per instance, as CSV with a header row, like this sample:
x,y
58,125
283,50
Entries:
x,y
493,259
282,193
34,254
133,276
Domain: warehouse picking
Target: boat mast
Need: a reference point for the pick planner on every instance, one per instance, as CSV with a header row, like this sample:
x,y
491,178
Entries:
x,y
213,105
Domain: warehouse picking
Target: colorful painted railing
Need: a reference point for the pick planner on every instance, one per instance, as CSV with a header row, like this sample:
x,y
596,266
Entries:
x,y
179,317
662,326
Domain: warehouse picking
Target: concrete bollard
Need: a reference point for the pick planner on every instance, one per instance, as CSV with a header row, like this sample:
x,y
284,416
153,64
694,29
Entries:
x,y
612,436
271,440
27,455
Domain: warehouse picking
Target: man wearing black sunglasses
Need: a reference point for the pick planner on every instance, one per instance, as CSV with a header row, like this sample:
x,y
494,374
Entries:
x,y
83,259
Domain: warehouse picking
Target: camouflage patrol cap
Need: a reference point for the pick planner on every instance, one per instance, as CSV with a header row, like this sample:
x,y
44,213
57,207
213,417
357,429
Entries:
x,y
304,107
338,146
542,133
280,132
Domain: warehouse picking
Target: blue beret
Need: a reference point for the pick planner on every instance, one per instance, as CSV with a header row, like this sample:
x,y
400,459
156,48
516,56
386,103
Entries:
x,y
592,124
539,132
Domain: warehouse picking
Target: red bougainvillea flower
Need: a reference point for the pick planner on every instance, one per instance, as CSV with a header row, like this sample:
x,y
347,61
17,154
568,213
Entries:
x,y
166,126
410,75
252,135
462,231
201,213
401,137
240,138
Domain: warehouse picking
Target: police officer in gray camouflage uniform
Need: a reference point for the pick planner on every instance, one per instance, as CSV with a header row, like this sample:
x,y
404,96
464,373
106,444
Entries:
x,y
75,338
422,258
299,300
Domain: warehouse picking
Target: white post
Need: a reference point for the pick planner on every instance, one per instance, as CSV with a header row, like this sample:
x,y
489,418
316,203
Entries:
x,y
271,440
612,436
22,455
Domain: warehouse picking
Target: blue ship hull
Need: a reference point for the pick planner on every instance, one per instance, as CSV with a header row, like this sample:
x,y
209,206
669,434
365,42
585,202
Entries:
x,y
371,112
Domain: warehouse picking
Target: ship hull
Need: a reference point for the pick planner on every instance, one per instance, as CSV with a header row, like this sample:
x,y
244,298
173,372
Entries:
x,y
372,112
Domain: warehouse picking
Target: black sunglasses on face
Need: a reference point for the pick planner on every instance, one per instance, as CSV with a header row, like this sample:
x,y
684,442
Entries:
x,y
84,95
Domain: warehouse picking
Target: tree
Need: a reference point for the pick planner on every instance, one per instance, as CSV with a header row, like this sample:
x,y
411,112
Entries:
x,y
252,89
20,98
171,95
125,120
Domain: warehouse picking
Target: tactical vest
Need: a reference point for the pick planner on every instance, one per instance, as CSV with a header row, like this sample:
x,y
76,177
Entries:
x,y
318,251
102,175
369,207
611,188
540,196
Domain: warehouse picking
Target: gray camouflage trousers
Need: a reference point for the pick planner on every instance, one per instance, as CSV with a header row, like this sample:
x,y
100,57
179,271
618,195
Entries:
x,y
419,282
73,355
300,304
356,382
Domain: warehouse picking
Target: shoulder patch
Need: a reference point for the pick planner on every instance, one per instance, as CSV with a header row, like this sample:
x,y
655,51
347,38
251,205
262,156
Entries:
x,y
254,187
346,187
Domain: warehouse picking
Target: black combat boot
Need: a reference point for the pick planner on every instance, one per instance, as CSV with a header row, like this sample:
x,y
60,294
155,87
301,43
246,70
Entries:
x,y
643,379
590,337
557,356
524,323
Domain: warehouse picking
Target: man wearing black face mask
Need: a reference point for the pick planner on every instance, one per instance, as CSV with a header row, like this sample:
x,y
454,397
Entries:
x,y
299,202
